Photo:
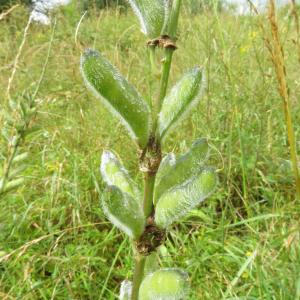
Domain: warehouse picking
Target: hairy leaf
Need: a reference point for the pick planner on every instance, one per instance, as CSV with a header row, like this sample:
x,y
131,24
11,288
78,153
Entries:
x,y
180,200
114,173
126,290
181,99
182,169
153,16
165,166
118,95
166,284
124,211
152,263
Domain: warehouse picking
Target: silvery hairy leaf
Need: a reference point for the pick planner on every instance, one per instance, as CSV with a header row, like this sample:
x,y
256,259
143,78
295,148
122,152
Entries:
x,y
185,95
165,284
174,172
114,173
124,211
121,202
153,16
180,200
117,94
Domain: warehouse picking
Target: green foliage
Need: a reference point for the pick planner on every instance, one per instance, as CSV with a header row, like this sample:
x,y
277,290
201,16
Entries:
x,y
181,199
124,211
17,121
182,98
181,185
181,169
114,173
167,284
86,4
197,7
153,16
53,227
118,94
5,4
121,201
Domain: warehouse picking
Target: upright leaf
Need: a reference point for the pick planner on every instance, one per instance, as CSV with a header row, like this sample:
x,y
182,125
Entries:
x,y
179,201
166,284
153,16
185,167
165,166
124,211
114,173
181,99
118,95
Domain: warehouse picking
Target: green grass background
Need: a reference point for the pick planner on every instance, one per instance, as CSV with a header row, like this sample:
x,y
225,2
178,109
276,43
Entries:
x,y
243,243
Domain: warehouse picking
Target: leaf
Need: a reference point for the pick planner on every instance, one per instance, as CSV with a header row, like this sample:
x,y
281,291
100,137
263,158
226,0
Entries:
x,y
180,200
126,290
114,173
124,211
165,284
153,16
20,158
152,263
185,95
165,166
185,166
118,95
11,185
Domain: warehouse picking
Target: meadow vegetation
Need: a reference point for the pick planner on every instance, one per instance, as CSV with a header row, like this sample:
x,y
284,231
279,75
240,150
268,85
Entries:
x,y
243,243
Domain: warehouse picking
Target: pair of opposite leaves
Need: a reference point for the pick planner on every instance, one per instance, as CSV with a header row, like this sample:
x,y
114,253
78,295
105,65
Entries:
x,y
124,101
179,187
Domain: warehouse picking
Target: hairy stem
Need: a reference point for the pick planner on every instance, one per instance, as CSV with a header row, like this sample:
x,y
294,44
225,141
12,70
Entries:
x,y
154,151
149,181
138,275
172,29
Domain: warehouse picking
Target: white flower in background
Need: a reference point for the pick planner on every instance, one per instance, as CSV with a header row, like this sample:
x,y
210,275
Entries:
x,y
41,8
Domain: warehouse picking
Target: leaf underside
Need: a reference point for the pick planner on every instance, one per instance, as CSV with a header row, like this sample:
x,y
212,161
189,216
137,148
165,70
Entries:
x,y
182,98
179,201
175,172
153,16
166,284
117,94
123,211
114,173
122,200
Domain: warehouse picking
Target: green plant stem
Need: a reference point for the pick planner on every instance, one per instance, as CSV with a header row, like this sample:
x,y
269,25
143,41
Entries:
x,y
138,275
172,29
155,155
163,85
148,194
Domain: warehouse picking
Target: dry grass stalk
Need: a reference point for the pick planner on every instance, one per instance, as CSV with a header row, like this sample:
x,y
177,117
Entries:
x,y
277,55
297,25
16,61
6,13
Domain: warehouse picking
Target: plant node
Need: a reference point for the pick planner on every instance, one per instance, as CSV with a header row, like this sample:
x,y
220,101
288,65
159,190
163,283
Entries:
x,y
151,239
150,157
164,41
